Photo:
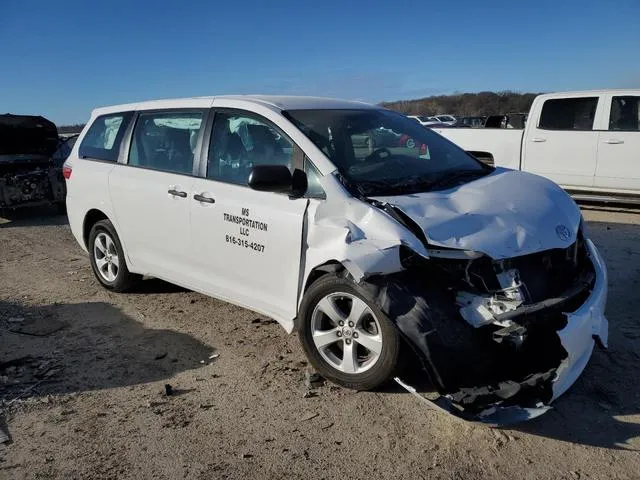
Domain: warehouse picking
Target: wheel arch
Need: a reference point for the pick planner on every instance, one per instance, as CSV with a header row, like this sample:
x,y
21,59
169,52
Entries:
x,y
90,219
95,215
319,271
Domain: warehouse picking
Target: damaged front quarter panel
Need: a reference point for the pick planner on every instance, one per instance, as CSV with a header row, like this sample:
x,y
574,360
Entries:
x,y
501,356
364,239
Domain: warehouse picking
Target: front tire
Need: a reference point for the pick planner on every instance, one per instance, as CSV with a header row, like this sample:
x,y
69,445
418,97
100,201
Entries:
x,y
345,336
107,258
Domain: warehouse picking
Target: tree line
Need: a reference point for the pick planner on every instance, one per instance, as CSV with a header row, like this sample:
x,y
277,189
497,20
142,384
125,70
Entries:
x,y
465,104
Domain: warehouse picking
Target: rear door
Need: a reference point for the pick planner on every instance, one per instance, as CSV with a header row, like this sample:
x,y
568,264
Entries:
x,y
562,145
245,244
151,191
619,145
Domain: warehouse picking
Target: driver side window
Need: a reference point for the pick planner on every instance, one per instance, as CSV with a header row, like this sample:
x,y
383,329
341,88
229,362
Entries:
x,y
240,141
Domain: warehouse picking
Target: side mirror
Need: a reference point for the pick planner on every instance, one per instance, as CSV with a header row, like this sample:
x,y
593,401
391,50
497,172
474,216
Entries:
x,y
278,179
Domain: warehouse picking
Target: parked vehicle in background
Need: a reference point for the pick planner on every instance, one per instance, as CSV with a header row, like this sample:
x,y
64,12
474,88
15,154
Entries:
x,y
485,274
30,172
424,120
471,122
588,142
508,120
446,119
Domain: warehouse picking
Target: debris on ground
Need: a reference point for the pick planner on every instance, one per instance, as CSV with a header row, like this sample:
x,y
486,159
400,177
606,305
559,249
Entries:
x,y
214,356
309,394
160,356
312,379
263,321
311,416
168,390
4,435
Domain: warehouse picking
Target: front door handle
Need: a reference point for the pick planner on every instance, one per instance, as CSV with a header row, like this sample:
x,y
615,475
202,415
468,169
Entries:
x,y
177,193
614,141
538,139
202,198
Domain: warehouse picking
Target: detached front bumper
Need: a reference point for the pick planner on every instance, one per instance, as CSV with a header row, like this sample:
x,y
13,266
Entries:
x,y
584,327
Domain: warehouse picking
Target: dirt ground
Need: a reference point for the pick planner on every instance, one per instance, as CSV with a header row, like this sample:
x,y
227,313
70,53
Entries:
x,y
83,375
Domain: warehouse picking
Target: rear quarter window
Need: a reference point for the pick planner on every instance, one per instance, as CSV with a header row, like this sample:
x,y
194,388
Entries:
x,y
103,139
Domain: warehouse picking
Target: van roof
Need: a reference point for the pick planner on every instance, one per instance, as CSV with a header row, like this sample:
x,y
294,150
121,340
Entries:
x,y
274,102
586,93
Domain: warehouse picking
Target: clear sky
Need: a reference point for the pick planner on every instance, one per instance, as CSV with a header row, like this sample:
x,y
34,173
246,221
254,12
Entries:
x,y
63,58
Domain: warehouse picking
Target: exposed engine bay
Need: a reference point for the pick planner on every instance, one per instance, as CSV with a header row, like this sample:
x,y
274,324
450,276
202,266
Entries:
x,y
487,330
28,173
22,185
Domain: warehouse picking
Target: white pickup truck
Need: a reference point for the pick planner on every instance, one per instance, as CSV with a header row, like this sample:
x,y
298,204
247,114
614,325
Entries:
x,y
588,142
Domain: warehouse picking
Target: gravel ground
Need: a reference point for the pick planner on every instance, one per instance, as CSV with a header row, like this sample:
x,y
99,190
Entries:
x,y
88,399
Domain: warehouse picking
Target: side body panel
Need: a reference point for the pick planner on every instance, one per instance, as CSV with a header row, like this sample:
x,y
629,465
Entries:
x,y
153,224
246,247
503,144
618,155
568,157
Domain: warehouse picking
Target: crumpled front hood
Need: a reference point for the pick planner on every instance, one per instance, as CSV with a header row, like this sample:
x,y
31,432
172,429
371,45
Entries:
x,y
504,214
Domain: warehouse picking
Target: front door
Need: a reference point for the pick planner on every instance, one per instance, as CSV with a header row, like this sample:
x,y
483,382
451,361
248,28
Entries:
x,y
619,146
246,244
562,146
151,193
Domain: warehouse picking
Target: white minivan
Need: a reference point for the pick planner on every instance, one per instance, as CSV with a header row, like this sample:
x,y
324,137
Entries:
x,y
402,248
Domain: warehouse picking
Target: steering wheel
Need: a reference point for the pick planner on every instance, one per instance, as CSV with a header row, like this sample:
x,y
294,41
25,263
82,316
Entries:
x,y
377,154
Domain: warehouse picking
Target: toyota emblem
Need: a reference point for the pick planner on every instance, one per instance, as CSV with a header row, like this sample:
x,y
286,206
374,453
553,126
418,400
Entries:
x,y
563,232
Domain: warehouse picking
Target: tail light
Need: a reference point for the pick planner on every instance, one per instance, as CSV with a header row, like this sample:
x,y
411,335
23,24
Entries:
x,y
66,172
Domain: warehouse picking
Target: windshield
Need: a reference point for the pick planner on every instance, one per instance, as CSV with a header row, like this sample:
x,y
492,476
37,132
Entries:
x,y
446,118
381,152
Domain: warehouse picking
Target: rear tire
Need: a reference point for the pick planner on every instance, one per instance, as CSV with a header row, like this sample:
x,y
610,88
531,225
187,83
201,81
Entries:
x,y
354,345
107,258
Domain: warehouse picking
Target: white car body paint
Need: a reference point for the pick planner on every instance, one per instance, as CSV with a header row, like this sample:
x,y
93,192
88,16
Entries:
x,y
596,161
502,215
583,325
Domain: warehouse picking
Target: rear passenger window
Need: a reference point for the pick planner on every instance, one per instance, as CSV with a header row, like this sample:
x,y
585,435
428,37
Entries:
x,y
238,142
568,114
103,139
625,114
165,141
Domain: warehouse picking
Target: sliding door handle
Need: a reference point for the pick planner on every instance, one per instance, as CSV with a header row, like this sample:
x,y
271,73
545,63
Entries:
x,y
201,198
177,193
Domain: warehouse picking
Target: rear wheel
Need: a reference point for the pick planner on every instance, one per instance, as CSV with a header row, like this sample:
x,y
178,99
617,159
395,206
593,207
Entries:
x,y
345,336
107,258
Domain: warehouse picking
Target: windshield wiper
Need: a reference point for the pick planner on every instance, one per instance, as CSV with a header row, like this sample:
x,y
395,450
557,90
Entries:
x,y
450,177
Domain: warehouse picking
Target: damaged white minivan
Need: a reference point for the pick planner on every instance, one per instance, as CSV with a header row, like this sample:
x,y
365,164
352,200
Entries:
x,y
369,234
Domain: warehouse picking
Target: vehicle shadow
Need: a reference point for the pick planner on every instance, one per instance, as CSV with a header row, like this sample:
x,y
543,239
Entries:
x,y
64,348
595,410
32,217
155,285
